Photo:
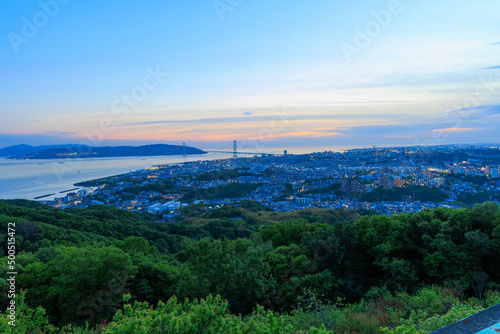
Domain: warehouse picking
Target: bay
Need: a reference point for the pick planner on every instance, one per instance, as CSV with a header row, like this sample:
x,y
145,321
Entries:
x,y
28,179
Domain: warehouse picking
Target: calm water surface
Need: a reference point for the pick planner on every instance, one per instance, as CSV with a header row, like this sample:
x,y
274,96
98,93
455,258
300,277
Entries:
x,y
28,179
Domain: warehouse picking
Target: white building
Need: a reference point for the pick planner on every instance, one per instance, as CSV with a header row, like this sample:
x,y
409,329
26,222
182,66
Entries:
x,y
303,200
160,208
494,172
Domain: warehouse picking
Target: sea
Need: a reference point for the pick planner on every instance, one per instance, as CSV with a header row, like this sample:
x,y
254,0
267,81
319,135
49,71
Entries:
x,y
43,180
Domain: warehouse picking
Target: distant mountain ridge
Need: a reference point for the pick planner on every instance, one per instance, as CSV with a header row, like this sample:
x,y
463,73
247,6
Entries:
x,y
16,150
83,151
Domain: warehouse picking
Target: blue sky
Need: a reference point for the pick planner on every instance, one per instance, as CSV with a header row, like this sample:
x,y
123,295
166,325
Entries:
x,y
283,73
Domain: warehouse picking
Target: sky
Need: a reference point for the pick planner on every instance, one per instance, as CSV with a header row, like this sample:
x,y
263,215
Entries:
x,y
265,73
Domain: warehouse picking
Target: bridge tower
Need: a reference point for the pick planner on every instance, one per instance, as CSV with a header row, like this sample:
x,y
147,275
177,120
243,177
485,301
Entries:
x,y
235,150
184,149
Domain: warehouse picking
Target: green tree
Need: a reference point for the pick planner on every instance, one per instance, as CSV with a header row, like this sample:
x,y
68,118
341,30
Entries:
x,y
210,315
285,233
81,284
236,270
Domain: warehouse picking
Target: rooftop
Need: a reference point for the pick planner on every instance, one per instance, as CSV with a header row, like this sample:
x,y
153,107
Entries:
x,y
484,322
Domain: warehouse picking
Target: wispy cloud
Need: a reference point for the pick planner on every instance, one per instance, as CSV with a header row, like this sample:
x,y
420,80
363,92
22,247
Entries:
x,y
57,133
477,112
199,120
415,130
491,68
498,43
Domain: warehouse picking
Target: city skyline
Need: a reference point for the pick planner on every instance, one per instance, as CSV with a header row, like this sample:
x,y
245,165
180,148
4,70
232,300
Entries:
x,y
283,75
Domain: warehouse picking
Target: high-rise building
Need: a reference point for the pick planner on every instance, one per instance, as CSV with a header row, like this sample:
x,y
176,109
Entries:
x,y
345,184
427,172
352,184
398,182
494,172
357,186
387,181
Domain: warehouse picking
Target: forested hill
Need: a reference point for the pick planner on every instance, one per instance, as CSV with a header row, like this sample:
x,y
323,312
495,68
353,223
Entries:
x,y
83,151
246,269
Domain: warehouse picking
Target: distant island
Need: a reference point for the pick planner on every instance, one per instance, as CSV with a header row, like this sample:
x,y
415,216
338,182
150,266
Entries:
x,y
71,151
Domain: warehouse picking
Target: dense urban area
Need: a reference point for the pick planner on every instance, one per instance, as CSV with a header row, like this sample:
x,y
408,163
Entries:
x,y
386,180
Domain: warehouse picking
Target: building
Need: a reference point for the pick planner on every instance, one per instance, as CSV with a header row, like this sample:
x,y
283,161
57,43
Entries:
x,y
303,200
352,184
398,182
387,181
345,184
160,208
357,186
85,191
427,172
472,172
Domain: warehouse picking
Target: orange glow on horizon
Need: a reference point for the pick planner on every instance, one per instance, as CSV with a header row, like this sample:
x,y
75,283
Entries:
x,y
458,129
